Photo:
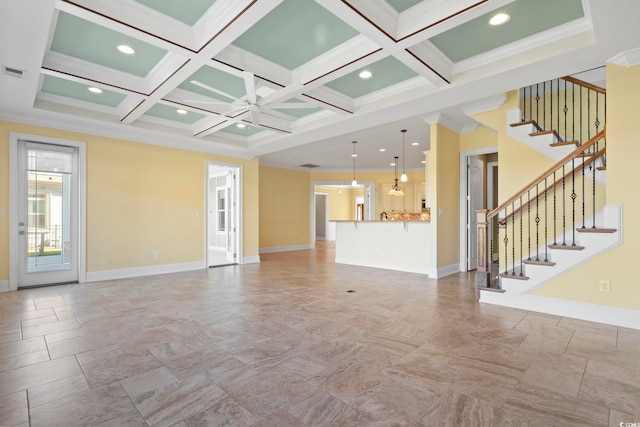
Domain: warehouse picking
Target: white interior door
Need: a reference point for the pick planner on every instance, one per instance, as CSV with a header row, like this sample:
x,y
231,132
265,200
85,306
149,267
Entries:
x,y
475,200
231,226
47,213
223,215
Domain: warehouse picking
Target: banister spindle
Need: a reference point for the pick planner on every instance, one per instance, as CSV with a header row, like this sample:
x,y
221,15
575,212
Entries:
x,y
573,201
513,239
546,237
521,255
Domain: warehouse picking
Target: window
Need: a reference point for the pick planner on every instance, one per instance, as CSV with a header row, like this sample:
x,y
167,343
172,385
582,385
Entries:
x,y
222,210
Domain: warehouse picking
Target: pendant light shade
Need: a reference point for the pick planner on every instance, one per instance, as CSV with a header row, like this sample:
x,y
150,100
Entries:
x,y
354,183
396,190
403,177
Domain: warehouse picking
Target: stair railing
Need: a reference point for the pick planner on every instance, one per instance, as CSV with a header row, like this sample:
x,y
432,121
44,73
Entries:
x,y
572,109
545,213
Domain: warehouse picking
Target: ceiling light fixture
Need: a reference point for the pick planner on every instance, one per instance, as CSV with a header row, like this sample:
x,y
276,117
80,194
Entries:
x,y
415,143
95,89
396,190
499,19
365,74
181,111
128,50
354,183
382,149
240,125
403,177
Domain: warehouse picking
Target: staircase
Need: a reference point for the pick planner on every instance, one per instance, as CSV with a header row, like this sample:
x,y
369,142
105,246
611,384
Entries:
x,y
559,220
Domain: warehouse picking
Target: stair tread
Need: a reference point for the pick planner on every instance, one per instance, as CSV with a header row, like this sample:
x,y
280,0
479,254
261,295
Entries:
x,y
511,276
567,247
542,132
601,168
596,230
563,143
532,262
526,122
484,288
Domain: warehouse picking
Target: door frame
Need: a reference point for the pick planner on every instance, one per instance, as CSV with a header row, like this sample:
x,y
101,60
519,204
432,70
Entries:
x,y
14,137
237,217
462,261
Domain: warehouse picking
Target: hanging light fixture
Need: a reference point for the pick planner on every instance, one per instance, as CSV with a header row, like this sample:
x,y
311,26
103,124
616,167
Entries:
x,y
354,183
403,177
396,190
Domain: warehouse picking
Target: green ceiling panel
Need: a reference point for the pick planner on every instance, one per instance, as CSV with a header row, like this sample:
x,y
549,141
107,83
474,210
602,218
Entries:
x,y
527,18
386,72
84,40
80,91
171,113
294,33
297,112
402,5
246,131
217,79
184,11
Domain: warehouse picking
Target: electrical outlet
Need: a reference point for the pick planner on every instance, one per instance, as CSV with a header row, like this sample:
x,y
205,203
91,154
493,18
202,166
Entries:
x,y
604,286
156,255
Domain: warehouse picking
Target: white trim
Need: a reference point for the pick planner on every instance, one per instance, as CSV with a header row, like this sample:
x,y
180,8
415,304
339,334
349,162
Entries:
x,y
4,286
627,59
285,248
579,310
251,259
14,137
463,199
447,270
126,273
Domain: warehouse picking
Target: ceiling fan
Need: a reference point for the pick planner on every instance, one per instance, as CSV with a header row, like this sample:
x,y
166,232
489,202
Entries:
x,y
252,102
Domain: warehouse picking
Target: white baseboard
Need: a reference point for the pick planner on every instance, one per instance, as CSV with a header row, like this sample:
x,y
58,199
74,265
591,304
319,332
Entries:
x,y
4,285
251,259
578,310
125,273
441,272
284,248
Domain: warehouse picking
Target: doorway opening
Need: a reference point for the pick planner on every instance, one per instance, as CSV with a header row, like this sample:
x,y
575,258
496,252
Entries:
x,y
223,225
478,189
341,202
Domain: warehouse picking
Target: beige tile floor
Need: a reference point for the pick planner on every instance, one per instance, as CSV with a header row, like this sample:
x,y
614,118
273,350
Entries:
x,y
283,343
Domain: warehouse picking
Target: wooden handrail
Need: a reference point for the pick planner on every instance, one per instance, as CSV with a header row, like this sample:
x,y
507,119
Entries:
x,y
585,84
574,154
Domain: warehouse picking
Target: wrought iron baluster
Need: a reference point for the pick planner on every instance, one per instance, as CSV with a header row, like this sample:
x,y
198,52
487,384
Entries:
x,y
506,241
529,225
537,224
564,212
546,237
573,201
513,238
538,104
521,255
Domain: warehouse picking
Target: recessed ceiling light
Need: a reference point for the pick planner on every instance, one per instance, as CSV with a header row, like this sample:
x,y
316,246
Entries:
x,y
415,143
354,155
382,149
365,74
423,162
240,125
499,19
126,49
392,164
95,89
181,111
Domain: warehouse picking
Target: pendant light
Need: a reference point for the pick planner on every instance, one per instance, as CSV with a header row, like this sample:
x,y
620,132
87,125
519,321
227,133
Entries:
x,y
403,177
354,183
396,190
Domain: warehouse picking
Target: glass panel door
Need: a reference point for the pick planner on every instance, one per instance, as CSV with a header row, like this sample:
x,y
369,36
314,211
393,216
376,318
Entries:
x,y
47,214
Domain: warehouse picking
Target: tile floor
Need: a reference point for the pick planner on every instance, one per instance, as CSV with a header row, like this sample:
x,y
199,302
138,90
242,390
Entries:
x,y
285,343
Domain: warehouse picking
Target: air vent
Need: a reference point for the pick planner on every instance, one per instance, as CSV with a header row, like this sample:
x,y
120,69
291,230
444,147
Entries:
x,y
14,72
308,165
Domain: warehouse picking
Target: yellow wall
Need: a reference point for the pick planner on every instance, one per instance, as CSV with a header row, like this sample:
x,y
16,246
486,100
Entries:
x,y
284,207
443,181
141,198
623,151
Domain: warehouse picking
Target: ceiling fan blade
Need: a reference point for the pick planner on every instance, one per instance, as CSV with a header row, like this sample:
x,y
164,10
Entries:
x,y
290,105
255,117
250,85
237,110
284,93
219,92
196,101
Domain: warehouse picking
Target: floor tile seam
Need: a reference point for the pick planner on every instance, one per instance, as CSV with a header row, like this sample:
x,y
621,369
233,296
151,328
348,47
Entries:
x,y
128,397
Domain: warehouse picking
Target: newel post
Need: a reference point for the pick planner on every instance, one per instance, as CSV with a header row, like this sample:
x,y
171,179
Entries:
x,y
483,274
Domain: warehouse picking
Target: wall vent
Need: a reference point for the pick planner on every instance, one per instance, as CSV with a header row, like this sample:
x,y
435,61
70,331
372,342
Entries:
x,y
309,165
14,72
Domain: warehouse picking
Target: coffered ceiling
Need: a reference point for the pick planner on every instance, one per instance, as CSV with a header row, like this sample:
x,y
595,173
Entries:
x,y
282,79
